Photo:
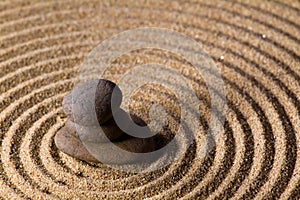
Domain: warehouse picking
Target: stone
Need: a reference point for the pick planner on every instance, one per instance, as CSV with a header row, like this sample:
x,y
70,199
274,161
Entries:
x,y
67,106
92,102
108,98
107,131
109,154
72,146
92,133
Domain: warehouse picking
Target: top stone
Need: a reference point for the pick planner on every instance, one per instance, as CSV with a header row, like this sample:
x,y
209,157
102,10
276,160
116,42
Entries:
x,y
108,98
92,102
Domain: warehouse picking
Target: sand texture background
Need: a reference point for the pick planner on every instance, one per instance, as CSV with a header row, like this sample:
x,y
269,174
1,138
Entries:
x,y
254,43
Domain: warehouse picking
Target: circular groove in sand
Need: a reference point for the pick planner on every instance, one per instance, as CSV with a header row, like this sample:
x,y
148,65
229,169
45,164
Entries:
x,y
283,95
223,10
285,66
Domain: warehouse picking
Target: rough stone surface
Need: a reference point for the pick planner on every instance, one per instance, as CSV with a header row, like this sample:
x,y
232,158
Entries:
x,y
108,130
72,146
67,106
105,100
90,103
130,144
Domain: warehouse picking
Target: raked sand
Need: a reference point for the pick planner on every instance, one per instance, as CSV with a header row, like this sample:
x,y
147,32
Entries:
x,y
254,43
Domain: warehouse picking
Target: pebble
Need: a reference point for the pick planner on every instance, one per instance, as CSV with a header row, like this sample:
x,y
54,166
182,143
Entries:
x,y
80,108
72,146
108,130
106,101
67,106
133,146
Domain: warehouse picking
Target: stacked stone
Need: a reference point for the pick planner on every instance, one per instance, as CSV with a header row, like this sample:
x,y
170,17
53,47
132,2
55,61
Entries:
x,y
82,127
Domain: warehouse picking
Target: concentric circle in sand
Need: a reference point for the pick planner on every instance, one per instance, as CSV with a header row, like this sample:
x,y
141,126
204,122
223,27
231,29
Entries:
x,y
256,45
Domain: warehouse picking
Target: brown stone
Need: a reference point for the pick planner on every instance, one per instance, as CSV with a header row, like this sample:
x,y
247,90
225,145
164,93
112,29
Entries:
x,y
105,100
67,106
90,103
108,130
72,146
105,152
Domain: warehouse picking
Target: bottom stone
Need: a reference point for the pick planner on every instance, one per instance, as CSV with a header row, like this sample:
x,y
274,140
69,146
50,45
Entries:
x,y
72,146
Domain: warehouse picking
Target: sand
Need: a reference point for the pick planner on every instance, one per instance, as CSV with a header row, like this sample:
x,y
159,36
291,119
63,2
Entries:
x,y
256,46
